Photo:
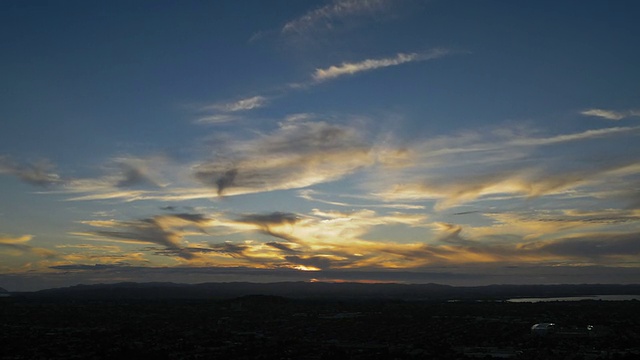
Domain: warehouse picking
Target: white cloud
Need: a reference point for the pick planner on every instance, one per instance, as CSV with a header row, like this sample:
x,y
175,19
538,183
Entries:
x,y
299,117
611,114
298,154
240,105
333,72
589,134
457,170
216,119
308,194
324,16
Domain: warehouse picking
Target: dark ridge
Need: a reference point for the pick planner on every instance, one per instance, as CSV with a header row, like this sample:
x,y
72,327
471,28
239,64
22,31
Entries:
x,y
322,290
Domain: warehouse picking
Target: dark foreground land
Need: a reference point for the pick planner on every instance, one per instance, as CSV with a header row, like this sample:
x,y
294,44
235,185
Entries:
x,y
273,327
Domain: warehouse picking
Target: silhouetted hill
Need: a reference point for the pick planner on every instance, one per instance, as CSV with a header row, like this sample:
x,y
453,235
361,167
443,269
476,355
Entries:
x,y
322,290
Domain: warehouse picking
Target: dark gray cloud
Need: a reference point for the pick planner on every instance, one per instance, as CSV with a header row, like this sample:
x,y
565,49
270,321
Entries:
x,y
265,222
274,218
133,176
230,249
156,230
225,180
187,253
280,246
38,174
145,231
466,212
593,219
318,262
452,235
192,217
595,245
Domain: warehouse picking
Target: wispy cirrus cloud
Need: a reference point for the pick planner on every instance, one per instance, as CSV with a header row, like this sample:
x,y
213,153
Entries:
x,y
225,112
593,246
268,222
549,225
584,135
456,170
332,240
296,155
326,16
249,103
274,159
12,240
310,195
346,68
167,231
216,119
611,114
123,178
20,245
39,173
137,178
525,182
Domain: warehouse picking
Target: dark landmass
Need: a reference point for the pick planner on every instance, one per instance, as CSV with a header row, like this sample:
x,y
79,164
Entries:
x,y
274,327
316,321
324,290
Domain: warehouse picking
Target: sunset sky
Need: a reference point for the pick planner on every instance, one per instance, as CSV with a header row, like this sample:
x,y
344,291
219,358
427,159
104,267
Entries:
x,y
455,142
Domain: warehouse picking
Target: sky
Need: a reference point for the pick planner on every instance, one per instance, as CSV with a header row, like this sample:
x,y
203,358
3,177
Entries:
x,y
414,141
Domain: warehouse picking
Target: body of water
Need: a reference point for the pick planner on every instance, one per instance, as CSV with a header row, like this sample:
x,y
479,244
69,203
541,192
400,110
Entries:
x,y
579,298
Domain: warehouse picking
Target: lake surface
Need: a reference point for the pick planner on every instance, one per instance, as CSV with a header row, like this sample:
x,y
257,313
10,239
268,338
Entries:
x,y
579,298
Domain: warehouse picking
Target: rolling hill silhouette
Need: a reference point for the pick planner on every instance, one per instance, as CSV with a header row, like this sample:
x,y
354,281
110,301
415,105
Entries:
x,y
324,290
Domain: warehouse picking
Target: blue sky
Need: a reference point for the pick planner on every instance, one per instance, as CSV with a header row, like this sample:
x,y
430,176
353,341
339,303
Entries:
x,y
459,142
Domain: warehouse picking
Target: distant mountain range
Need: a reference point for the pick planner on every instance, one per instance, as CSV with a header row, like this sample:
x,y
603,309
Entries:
x,y
322,290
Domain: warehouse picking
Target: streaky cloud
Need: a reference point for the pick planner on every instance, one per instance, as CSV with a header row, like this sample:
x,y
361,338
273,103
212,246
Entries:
x,y
164,230
310,262
324,16
20,245
274,218
250,103
267,223
38,174
281,246
308,194
298,154
611,114
133,176
595,245
585,135
345,68
216,119
456,170
10,240
528,182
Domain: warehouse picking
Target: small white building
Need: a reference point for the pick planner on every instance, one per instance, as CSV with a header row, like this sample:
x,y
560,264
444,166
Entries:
x,y
543,329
